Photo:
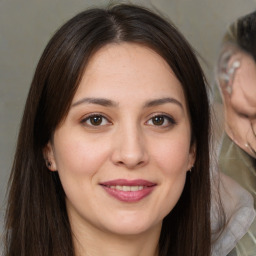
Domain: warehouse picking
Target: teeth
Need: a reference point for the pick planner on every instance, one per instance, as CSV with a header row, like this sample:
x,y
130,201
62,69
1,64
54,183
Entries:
x,y
127,188
118,187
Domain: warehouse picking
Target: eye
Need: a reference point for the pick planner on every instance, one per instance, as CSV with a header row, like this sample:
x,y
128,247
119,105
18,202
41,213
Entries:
x,y
243,115
161,120
94,120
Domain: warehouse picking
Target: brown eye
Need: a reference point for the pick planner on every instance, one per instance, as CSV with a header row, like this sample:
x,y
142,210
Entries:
x,y
158,120
162,121
96,120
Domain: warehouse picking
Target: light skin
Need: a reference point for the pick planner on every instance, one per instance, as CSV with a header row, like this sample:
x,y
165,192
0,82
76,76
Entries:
x,y
240,103
128,120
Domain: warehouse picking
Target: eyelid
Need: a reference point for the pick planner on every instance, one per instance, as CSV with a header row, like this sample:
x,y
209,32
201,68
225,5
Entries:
x,y
243,115
171,120
88,116
169,117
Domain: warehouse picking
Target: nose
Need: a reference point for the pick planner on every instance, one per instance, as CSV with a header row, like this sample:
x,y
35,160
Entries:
x,y
129,148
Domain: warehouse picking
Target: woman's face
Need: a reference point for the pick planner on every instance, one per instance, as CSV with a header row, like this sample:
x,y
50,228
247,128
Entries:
x,y
240,103
123,151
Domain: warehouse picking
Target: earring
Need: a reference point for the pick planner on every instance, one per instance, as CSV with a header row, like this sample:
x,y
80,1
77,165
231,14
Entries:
x,y
49,163
231,75
190,170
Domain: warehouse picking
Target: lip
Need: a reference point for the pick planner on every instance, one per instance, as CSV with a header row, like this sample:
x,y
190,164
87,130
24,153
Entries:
x,y
144,189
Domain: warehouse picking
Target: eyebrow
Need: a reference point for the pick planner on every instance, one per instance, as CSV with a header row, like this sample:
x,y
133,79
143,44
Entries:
x,y
109,103
157,102
97,101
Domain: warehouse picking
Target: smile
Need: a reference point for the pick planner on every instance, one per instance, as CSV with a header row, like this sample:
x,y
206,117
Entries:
x,y
128,190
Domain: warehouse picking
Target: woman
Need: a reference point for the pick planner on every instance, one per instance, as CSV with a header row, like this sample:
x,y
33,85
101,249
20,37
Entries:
x,y
236,80
113,151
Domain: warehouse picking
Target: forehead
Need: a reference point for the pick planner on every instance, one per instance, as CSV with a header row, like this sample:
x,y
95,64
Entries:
x,y
245,78
243,97
127,56
129,68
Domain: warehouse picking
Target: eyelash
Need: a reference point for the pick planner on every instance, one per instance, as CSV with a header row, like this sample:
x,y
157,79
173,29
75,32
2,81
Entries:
x,y
94,115
166,118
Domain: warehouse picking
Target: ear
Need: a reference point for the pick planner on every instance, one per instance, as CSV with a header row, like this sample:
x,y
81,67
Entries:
x,y
226,90
49,157
192,156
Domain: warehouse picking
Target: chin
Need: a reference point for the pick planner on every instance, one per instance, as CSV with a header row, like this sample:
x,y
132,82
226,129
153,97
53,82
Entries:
x,y
129,226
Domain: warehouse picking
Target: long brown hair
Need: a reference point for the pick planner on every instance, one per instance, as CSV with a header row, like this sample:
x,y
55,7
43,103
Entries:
x,y
36,217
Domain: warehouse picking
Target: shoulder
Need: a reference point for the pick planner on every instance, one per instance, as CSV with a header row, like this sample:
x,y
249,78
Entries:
x,y
239,211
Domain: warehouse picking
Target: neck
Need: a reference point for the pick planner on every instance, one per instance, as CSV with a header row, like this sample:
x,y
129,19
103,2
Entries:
x,y
89,241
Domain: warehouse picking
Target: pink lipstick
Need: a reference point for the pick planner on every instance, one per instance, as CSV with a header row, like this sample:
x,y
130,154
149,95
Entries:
x,y
128,190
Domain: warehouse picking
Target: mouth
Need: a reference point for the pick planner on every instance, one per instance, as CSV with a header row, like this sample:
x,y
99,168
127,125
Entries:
x,y
128,190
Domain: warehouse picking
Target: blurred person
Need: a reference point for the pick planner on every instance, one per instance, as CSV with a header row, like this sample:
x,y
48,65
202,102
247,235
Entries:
x,y
237,84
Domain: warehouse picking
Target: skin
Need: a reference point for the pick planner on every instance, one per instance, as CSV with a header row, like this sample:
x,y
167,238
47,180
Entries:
x,y
240,104
127,143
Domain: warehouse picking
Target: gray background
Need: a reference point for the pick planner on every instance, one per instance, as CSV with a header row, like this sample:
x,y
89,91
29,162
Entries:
x,y
27,25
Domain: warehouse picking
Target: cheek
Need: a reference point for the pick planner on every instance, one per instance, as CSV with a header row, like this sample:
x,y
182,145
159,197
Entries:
x,y
172,156
78,163
172,160
79,156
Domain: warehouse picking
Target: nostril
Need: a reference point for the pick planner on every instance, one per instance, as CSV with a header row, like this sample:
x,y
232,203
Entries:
x,y
141,163
120,163
130,164
129,154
